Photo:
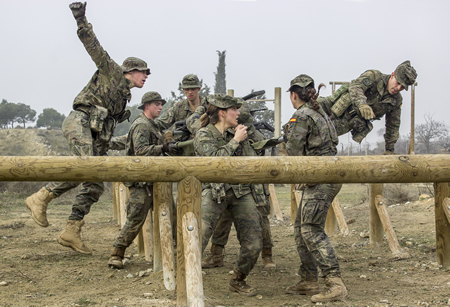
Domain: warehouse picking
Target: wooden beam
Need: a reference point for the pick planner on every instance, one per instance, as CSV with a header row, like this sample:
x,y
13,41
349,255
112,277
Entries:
x,y
376,232
115,200
189,199
442,191
331,221
343,227
123,198
193,260
325,169
388,229
147,235
163,194
274,202
446,208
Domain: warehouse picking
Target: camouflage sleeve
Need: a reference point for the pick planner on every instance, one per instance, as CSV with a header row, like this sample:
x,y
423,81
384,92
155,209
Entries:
x,y
205,145
359,86
254,135
118,142
392,128
100,57
166,121
299,129
142,142
193,122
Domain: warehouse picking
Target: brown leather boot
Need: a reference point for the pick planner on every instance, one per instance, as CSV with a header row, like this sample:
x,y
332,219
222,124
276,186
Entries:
x,y
70,237
308,286
215,259
37,203
115,261
266,256
238,284
335,291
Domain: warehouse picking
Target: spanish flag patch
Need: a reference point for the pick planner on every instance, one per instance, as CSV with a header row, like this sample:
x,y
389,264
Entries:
x,y
293,120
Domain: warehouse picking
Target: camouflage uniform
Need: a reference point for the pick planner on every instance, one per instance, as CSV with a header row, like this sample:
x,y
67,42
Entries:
x,y
311,133
223,227
144,139
238,198
97,109
370,88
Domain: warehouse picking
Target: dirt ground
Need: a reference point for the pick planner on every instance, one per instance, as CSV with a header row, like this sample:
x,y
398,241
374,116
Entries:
x,y
36,271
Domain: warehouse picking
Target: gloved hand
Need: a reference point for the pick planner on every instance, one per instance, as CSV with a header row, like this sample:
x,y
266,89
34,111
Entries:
x,y
171,149
78,9
388,153
366,111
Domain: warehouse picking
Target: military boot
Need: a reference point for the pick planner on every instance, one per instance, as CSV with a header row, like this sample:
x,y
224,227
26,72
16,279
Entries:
x,y
266,256
335,291
116,259
70,237
37,203
215,260
306,286
238,284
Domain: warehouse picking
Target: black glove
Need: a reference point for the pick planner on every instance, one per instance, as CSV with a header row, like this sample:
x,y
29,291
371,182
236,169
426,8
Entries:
x,y
171,149
78,9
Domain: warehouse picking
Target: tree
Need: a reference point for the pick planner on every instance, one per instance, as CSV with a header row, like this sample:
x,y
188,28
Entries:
x,y
7,114
50,118
221,84
24,113
431,130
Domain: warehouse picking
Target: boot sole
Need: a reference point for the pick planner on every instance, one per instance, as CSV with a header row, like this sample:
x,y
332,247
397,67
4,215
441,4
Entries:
x,y
68,244
330,299
311,292
34,218
240,292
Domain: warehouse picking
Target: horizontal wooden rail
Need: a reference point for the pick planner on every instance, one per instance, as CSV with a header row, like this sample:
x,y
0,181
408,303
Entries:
x,y
360,169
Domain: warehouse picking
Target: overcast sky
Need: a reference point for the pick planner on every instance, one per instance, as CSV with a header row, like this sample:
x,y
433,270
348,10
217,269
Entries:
x,y
268,43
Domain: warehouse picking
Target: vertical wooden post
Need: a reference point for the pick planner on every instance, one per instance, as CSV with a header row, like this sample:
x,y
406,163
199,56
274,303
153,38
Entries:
x,y
331,221
387,226
162,192
193,260
123,199
277,112
343,227
411,140
147,235
274,202
376,231
115,188
230,93
441,191
189,199
159,197
139,240
294,205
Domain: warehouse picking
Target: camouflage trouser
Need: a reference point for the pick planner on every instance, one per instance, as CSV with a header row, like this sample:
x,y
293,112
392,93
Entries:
x,y
138,206
223,228
312,242
78,133
247,220
350,120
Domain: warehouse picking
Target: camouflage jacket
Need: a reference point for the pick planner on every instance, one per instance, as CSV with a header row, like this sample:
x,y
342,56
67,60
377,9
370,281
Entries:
x,y
181,110
370,88
311,133
144,139
209,142
108,87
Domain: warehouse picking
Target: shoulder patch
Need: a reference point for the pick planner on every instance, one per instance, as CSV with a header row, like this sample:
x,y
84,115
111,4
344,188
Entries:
x,y
367,81
293,120
206,147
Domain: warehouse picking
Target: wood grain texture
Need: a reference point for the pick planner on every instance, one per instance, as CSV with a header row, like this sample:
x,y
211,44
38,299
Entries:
x,y
147,236
340,218
193,260
274,202
331,221
168,260
442,191
356,169
189,199
376,232
294,204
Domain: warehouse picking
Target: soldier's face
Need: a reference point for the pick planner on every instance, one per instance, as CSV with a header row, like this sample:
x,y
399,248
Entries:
x,y
231,116
393,86
191,93
154,109
137,78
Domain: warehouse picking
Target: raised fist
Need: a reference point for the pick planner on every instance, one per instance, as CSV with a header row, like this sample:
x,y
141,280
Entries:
x,y
78,9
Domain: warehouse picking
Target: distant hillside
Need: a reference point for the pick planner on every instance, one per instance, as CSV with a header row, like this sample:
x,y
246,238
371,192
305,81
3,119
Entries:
x,y
32,142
